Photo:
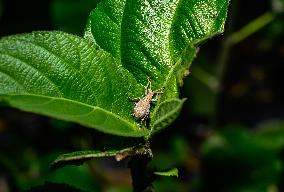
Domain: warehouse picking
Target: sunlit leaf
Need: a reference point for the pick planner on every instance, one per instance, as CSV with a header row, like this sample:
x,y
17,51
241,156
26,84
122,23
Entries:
x,y
155,39
65,77
89,81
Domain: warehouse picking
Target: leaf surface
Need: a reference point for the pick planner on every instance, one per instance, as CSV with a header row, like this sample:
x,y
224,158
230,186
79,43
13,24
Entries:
x,y
65,77
89,80
156,39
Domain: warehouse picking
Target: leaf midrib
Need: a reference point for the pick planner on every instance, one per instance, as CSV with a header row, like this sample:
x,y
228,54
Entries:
x,y
73,101
64,61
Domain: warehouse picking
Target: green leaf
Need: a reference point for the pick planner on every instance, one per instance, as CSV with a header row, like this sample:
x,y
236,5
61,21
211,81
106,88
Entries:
x,y
75,176
89,81
166,113
169,173
65,77
79,157
148,37
155,39
103,26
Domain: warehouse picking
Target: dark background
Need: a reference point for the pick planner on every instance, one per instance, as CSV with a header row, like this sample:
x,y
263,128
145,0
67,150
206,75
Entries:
x,y
217,142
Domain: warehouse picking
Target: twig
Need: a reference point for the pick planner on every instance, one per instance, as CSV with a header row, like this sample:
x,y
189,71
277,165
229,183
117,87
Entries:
x,y
252,27
238,36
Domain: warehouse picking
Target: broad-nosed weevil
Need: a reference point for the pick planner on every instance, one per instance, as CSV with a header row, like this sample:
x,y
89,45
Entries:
x,y
142,106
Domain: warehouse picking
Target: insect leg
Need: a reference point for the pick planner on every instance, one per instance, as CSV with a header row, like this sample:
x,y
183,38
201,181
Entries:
x,y
134,99
157,92
144,120
148,86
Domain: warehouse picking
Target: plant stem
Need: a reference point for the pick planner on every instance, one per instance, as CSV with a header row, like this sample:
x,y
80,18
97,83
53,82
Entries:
x,y
233,39
252,27
141,180
238,36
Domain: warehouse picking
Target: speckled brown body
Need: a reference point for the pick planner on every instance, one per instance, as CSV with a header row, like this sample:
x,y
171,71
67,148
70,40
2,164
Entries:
x,y
142,107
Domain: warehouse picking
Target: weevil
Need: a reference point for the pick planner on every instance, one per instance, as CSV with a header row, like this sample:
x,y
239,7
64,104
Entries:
x,y
142,106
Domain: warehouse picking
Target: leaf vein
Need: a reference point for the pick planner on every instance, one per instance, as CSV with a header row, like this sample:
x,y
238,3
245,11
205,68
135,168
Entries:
x,y
36,71
13,79
86,82
195,18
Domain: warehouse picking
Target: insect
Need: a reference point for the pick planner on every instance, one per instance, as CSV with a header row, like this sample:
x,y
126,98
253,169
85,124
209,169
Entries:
x,y
142,106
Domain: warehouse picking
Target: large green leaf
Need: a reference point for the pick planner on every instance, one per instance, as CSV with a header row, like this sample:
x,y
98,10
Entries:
x,y
64,76
156,39
148,37
89,81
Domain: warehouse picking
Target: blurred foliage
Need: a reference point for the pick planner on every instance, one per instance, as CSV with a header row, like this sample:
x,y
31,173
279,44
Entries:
x,y
277,6
76,176
242,160
201,88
